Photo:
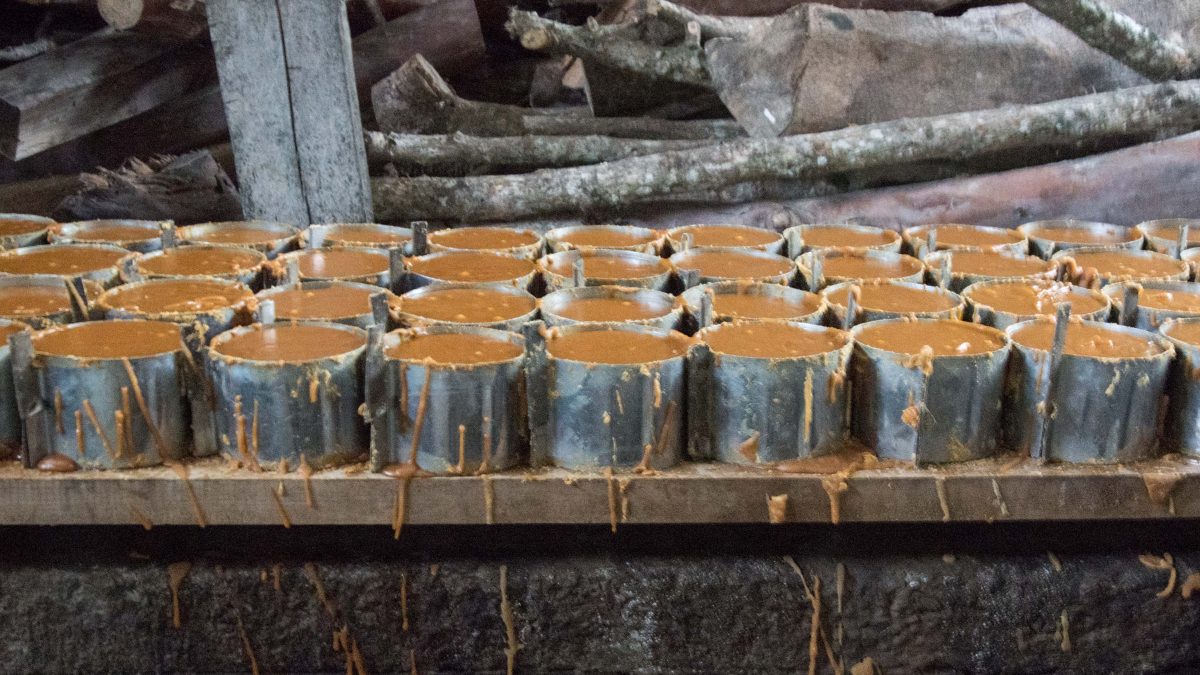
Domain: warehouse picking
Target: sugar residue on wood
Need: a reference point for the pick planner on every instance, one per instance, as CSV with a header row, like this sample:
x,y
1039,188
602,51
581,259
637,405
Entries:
x,y
181,470
1165,562
510,624
777,508
176,573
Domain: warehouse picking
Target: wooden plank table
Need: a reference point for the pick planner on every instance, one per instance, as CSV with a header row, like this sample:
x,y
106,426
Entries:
x,y
985,491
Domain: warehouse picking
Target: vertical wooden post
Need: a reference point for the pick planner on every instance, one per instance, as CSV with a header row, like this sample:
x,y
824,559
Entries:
x,y
287,81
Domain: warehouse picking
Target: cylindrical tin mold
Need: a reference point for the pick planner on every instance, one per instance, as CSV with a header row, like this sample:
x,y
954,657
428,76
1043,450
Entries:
x,y
658,279
267,237
748,410
990,316
554,303
306,409
587,415
1098,409
361,317
916,239
809,307
531,250
960,279
691,275
94,410
470,417
277,269
1181,429
927,410
815,275
813,237
624,238
105,275
1105,235
142,236
1144,316
1163,235
245,264
1191,256
18,230
65,309
756,238
863,314
1075,267
214,321
411,320
10,415
358,235
413,279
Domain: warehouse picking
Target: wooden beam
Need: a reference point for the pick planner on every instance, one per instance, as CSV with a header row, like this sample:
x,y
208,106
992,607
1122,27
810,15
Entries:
x,y
983,491
90,84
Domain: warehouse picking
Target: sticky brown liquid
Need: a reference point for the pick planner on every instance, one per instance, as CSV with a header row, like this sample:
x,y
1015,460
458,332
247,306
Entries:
x,y
340,263
863,267
1112,264
62,259
1159,231
459,348
200,260
358,234
332,302
7,330
1179,301
1033,298
292,342
614,309
11,227
175,296
105,232
734,264
945,338
33,300
1086,338
761,306
110,339
840,237
993,264
610,267
601,237
472,267
483,238
616,347
242,235
892,298
967,235
1186,332
467,305
726,235
770,339
1078,235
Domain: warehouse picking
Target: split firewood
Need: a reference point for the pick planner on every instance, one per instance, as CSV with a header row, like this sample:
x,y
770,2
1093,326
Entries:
x,y
415,99
188,189
1123,37
176,19
946,137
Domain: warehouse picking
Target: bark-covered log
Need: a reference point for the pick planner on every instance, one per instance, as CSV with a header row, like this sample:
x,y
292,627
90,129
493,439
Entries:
x,y
177,19
944,137
1122,37
188,189
415,99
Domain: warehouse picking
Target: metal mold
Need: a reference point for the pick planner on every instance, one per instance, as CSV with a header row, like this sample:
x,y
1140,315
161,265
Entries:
x,y
556,239
278,411
350,234
80,232
585,415
1128,310
927,410
278,270
916,239
10,415
957,280
251,274
277,237
553,303
659,281
1085,408
1080,273
748,410
814,276
29,238
1181,430
1164,235
411,320
810,307
412,280
1042,246
456,418
678,240
990,316
105,276
530,251
691,276
863,314
73,309
349,316
797,243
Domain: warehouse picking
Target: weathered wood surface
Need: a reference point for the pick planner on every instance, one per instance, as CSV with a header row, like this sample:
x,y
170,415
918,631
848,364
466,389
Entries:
x,y
983,491
91,84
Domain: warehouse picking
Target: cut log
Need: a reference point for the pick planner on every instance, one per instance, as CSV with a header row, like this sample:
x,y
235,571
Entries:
x,y
91,84
178,19
187,189
24,52
415,99
946,137
819,68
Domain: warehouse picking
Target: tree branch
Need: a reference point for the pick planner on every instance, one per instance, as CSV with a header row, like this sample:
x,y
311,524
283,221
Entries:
x,y
710,26
944,137
1123,38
